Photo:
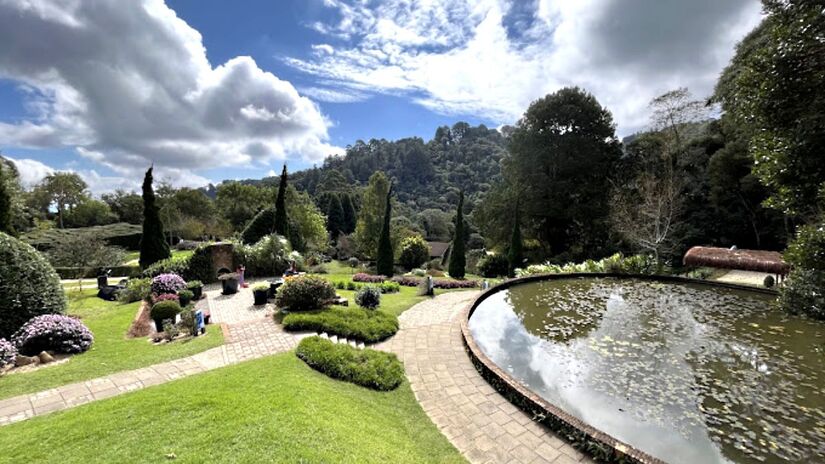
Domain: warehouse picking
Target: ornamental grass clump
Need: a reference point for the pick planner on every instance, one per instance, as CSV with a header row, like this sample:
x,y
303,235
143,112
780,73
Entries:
x,y
368,297
368,368
53,332
167,283
8,353
305,293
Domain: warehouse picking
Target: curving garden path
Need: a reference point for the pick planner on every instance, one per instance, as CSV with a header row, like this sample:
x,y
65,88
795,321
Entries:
x,y
482,424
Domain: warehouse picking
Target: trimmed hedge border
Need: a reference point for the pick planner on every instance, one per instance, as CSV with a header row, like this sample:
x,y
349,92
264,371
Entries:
x,y
581,435
369,326
116,271
368,368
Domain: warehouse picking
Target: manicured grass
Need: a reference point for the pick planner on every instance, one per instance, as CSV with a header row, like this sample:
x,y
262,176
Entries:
x,y
353,323
131,258
369,368
111,351
274,409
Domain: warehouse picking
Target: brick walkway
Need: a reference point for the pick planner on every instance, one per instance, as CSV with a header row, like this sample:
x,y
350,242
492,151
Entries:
x,y
250,334
482,424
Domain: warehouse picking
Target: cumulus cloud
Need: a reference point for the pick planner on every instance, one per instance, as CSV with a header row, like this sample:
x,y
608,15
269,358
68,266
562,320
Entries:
x,y
493,57
31,171
128,83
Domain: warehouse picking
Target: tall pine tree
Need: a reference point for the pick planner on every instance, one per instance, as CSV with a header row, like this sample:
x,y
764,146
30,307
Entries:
x,y
384,264
153,246
350,217
335,217
515,254
458,259
281,220
5,201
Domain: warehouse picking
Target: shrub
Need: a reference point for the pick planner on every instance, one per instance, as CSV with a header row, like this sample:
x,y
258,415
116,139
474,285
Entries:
x,y
493,265
390,287
368,278
804,292
353,262
450,284
170,330
319,269
165,297
368,297
354,323
304,293
340,285
164,310
186,296
352,286
617,264
8,353
29,286
200,265
368,368
167,283
262,224
270,256
407,281
807,251
414,252
53,332
136,290
188,322
192,284
418,272
175,265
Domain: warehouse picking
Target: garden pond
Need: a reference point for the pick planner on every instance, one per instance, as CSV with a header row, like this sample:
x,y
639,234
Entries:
x,y
686,372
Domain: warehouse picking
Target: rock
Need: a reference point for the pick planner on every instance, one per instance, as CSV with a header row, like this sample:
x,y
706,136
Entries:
x,y
45,357
26,360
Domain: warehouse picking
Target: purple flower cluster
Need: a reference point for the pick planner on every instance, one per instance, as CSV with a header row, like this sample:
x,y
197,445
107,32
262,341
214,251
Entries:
x,y
447,284
165,297
8,353
167,283
368,278
53,332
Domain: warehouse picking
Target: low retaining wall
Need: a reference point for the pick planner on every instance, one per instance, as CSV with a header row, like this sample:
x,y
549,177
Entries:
x,y
586,438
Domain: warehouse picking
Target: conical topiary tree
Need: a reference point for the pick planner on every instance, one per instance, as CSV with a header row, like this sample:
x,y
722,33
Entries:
x,y
281,220
514,255
384,261
153,246
458,260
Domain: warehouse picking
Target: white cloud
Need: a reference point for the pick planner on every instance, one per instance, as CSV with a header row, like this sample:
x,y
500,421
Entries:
x,y
342,94
128,83
493,57
31,171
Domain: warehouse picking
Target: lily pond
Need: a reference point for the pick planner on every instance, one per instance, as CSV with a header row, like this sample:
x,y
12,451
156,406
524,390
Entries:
x,y
689,373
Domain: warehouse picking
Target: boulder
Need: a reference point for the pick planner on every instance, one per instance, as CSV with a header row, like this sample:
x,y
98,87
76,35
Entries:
x,y
45,357
26,360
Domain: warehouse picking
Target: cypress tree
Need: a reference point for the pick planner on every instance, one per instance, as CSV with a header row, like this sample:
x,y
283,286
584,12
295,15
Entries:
x,y
153,246
335,217
514,256
458,259
281,221
5,202
384,262
350,217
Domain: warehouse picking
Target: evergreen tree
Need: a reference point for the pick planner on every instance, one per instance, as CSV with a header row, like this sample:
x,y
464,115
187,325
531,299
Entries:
x,y
458,260
335,217
384,264
350,217
371,215
514,256
5,203
281,220
153,246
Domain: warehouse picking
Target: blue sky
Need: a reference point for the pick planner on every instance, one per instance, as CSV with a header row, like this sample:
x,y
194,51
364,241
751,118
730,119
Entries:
x,y
106,88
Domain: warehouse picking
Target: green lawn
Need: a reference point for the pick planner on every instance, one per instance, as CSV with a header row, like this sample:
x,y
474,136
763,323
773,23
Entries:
x,y
274,409
131,258
111,351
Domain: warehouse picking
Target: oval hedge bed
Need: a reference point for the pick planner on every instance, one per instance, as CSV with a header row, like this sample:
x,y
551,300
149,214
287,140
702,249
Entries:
x,y
368,368
355,323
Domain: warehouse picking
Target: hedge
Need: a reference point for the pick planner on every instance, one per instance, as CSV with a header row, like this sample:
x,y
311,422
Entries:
x,y
121,234
368,368
78,272
353,323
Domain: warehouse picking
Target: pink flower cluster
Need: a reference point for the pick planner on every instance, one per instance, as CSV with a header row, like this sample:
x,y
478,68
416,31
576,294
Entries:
x,y
165,297
368,278
8,353
53,332
167,283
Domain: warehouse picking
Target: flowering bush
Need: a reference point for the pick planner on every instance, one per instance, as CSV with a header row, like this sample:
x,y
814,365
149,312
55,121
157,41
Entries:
x,y
8,353
53,332
167,283
165,297
304,293
453,284
407,281
368,297
368,278
617,264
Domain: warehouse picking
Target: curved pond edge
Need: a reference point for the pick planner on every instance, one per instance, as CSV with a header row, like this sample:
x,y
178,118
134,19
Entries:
x,y
581,435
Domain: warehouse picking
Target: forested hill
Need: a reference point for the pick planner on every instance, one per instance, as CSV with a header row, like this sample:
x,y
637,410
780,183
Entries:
x,y
425,175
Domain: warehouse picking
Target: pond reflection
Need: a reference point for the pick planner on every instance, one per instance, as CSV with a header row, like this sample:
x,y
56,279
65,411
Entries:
x,y
688,373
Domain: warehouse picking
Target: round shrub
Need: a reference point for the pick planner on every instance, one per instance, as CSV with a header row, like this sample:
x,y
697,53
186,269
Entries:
x,y
414,252
270,256
29,286
368,297
493,265
53,332
164,310
304,293
167,283
8,353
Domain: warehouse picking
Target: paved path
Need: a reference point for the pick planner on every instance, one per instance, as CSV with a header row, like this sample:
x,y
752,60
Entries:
x,y
250,334
482,424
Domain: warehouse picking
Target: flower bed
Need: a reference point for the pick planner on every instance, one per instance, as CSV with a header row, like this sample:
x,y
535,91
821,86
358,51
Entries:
x,y
447,284
369,278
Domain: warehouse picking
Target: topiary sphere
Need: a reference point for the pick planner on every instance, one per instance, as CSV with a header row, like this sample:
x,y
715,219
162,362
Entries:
x,y
29,286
